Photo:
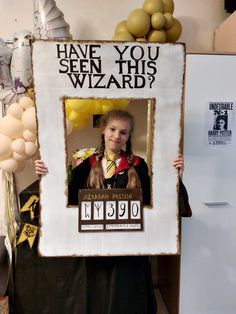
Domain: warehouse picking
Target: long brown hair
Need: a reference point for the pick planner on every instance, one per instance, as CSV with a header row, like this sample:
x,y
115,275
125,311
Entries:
x,y
95,179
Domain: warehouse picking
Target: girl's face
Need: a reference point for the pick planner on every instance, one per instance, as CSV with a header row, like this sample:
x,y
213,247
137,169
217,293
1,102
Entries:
x,y
116,134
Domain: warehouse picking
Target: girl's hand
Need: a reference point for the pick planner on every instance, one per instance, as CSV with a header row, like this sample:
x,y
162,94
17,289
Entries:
x,y
178,163
40,168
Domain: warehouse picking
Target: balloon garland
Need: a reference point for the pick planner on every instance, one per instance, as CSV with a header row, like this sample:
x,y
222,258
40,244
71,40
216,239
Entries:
x,y
18,135
18,130
78,111
154,22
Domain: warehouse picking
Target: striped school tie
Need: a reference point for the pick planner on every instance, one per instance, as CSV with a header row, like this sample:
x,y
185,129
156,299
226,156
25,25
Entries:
x,y
111,164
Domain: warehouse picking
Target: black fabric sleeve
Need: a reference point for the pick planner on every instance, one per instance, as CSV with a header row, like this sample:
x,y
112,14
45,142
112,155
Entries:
x,y
142,170
79,179
184,207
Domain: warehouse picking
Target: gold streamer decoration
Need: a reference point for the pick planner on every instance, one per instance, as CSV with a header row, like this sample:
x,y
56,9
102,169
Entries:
x,y
28,233
11,207
30,205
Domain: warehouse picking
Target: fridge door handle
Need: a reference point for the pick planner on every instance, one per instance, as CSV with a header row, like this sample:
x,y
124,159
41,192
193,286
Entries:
x,y
216,203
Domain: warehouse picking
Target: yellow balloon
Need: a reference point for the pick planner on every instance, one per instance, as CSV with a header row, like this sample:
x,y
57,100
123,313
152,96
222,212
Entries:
x,y
123,36
80,123
120,103
158,20
157,36
73,115
96,107
168,6
77,104
67,109
152,6
107,105
138,23
120,27
173,33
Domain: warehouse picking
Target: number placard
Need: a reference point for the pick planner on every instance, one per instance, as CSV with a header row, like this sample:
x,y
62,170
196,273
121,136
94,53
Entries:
x,y
110,210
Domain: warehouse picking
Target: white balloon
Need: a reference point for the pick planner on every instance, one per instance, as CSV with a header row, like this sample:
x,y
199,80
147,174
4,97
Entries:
x,y
16,110
18,156
18,145
9,165
26,102
29,120
30,148
29,136
5,146
11,126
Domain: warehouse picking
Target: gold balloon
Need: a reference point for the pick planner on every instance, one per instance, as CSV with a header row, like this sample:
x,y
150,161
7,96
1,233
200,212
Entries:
x,y
31,93
141,39
138,23
173,33
157,36
152,6
168,20
121,27
158,20
168,6
123,36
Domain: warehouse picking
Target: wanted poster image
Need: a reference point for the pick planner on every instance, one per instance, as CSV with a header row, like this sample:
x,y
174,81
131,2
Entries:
x,y
220,123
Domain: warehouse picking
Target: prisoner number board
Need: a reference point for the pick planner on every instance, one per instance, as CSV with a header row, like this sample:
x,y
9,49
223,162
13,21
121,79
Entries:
x,y
110,210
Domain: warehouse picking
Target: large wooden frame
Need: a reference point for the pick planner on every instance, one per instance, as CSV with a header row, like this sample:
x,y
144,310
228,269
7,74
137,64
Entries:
x,y
159,76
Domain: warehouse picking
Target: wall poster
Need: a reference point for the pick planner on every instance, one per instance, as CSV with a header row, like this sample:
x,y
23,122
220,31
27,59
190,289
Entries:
x,y
221,123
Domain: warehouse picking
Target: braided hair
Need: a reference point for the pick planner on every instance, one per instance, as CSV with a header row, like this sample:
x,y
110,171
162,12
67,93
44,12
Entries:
x,y
95,179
